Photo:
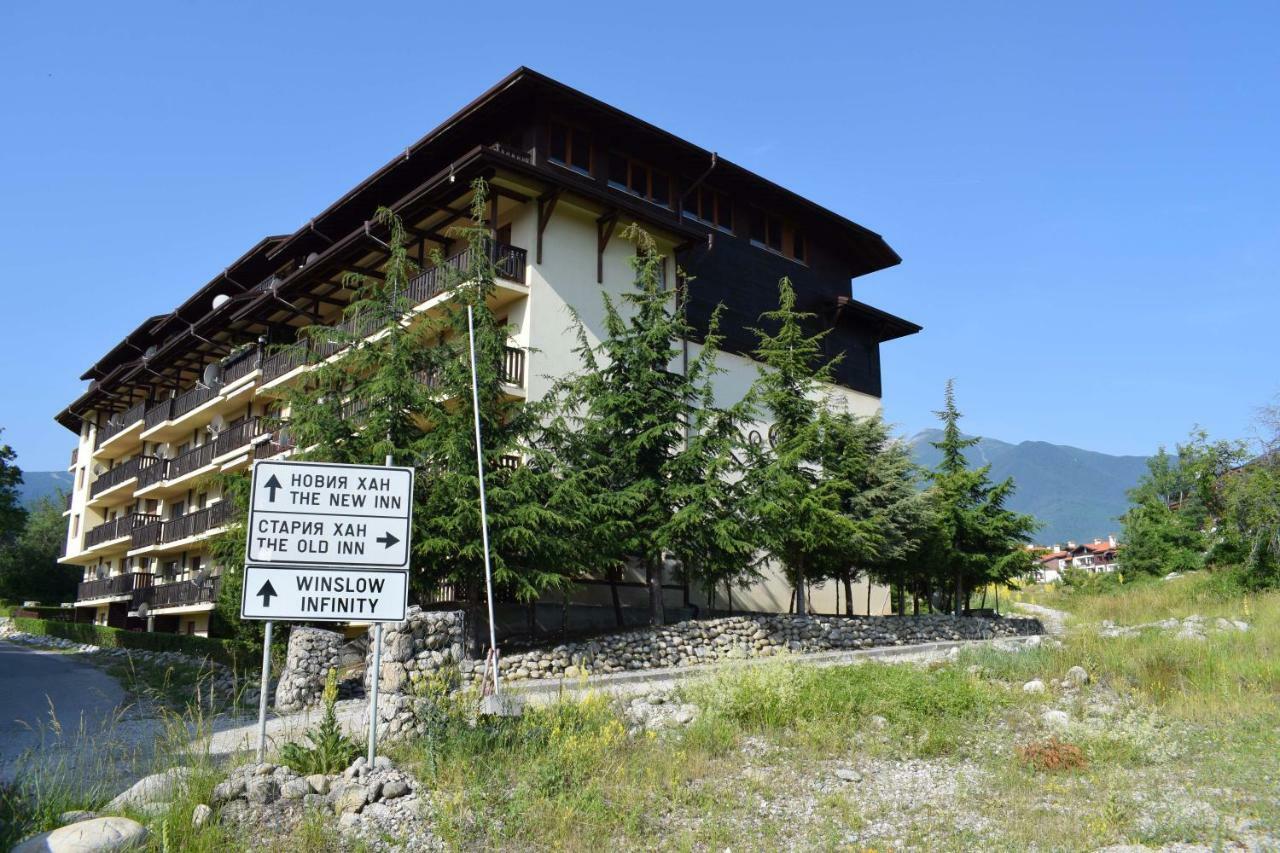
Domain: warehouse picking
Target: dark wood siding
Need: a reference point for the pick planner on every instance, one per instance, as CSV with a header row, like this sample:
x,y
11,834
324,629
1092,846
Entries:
x,y
744,279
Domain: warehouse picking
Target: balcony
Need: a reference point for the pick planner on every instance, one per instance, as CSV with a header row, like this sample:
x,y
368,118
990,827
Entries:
x,y
238,436
124,584
122,473
117,528
146,535
284,361
193,460
509,264
241,365
508,261
158,414
196,523
183,593
118,424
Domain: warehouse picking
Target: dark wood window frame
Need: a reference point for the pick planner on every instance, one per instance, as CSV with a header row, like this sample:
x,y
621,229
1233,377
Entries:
x,y
777,236
710,207
574,139
634,169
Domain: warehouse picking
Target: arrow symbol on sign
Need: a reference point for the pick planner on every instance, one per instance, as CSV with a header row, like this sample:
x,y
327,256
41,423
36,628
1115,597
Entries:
x,y
266,592
273,484
387,539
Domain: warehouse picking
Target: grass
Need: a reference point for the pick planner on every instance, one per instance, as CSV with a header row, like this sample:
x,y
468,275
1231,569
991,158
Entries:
x,y
1172,741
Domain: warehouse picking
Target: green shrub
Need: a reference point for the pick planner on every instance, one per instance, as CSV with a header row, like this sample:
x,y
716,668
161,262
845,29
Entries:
x,y
223,651
331,751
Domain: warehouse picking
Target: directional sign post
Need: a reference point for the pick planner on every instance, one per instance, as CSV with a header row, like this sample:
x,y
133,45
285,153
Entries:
x,y
327,543
310,594
323,514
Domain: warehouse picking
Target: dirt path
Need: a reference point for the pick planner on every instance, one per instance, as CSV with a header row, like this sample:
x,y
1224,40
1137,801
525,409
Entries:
x,y
1054,621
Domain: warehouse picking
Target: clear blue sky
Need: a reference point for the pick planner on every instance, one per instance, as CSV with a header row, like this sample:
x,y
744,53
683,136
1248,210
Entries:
x,y
1086,196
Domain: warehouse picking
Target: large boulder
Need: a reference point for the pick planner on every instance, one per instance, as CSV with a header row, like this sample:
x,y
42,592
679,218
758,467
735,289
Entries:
x,y
156,788
100,835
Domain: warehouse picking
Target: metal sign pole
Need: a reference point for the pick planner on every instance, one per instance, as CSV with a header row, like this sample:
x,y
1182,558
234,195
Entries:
x,y
484,513
262,695
377,663
373,692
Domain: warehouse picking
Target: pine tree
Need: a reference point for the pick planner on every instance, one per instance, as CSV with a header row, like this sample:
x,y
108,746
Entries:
x,y
402,392
877,480
647,444
796,506
975,539
12,514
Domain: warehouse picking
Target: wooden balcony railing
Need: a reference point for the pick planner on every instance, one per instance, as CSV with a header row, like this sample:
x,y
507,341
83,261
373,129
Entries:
x,y
237,436
193,459
195,523
513,366
512,151
508,261
241,364
158,413
122,472
154,474
107,587
278,364
184,593
117,528
118,423
146,535
190,399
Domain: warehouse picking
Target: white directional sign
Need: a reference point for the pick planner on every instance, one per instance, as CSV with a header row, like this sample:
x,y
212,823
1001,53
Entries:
x,y
323,595
326,514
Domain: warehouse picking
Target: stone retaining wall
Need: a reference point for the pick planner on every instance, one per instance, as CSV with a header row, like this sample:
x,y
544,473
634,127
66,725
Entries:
x,y
429,640
740,637
312,653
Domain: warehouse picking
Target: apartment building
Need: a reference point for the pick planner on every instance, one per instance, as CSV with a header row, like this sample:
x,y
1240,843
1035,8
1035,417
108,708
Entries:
x,y
192,392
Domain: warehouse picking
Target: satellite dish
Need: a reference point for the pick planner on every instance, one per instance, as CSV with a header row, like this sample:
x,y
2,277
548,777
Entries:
x,y
200,577
143,610
311,258
218,424
150,351
220,300
99,469
212,375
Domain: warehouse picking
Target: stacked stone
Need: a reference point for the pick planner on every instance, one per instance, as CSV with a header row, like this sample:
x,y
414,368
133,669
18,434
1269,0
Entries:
x,y
740,637
426,641
312,653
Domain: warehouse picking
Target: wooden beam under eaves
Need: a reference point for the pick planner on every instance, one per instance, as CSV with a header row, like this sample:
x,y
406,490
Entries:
x,y
546,207
604,230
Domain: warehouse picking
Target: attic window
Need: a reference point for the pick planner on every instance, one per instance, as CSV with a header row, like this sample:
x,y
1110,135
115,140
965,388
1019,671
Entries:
x,y
570,146
638,179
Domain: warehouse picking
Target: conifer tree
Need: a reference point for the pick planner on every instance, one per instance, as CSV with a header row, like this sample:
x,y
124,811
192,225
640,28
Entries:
x,y
878,494
646,442
401,392
13,516
796,506
975,539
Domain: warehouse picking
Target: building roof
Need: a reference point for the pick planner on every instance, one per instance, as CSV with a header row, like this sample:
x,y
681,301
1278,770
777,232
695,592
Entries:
x,y
451,143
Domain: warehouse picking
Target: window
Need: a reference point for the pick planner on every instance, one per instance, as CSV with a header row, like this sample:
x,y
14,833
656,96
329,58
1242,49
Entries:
x,y
766,230
798,247
707,205
638,179
770,232
75,525
570,147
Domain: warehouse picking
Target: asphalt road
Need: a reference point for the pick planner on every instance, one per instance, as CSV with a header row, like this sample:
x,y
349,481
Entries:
x,y
84,699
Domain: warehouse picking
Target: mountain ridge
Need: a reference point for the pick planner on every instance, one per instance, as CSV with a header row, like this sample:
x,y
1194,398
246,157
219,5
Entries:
x,y
1077,494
